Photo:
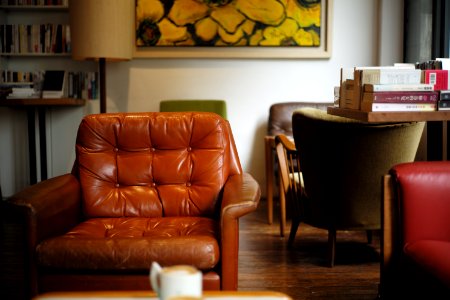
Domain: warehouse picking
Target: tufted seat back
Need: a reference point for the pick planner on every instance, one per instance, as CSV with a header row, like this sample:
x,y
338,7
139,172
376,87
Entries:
x,y
154,164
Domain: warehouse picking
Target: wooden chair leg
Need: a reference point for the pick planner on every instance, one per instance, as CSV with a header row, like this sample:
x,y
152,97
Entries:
x,y
331,246
269,154
282,198
294,227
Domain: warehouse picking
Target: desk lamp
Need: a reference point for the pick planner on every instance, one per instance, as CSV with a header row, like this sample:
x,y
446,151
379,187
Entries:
x,y
101,30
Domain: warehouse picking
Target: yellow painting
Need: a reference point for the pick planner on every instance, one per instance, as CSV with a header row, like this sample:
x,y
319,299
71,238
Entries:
x,y
249,23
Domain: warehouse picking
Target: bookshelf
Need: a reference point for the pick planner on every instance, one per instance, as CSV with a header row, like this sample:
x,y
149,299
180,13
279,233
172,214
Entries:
x,y
41,154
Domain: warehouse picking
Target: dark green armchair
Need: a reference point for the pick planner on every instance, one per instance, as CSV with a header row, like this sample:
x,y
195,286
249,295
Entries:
x,y
342,162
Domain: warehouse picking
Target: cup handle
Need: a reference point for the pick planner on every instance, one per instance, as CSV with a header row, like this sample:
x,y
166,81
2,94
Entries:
x,y
154,272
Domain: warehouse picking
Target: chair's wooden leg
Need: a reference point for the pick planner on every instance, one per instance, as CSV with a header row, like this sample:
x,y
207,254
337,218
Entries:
x,y
331,246
269,153
369,234
293,233
282,198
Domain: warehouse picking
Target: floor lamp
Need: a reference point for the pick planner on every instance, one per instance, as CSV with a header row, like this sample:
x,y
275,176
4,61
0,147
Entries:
x,y
101,30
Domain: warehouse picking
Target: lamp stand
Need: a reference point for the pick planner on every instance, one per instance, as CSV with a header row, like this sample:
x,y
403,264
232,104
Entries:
x,y
102,67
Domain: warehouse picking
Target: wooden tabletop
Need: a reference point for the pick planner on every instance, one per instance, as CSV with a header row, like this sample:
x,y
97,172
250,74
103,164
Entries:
x,y
131,295
389,117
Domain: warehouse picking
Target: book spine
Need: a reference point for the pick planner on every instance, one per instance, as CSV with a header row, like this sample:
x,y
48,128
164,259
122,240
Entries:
x,y
444,95
438,78
401,97
397,87
444,105
391,76
374,107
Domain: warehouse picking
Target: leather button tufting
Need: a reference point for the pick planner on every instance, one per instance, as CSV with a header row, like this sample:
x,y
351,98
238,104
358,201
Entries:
x,y
116,149
153,184
189,149
117,185
188,184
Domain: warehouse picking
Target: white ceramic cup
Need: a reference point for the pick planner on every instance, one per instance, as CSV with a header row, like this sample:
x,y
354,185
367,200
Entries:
x,y
174,281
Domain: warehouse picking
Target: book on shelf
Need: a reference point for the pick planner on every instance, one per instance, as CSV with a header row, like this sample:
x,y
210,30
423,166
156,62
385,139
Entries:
x,y
400,97
22,92
394,75
54,84
444,104
444,95
438,78
398,87
35,38
397,107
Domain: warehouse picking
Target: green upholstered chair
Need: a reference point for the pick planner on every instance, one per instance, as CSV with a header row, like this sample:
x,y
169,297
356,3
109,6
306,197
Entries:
x,y
342,163
217,106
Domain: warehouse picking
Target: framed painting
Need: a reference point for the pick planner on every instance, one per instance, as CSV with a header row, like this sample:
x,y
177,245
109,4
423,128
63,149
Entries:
x,y
233,28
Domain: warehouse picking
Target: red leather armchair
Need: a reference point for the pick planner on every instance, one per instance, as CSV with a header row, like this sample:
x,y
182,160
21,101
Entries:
x,y
416,231
165,187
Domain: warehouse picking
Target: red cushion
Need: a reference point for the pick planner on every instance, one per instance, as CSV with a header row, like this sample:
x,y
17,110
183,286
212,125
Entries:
x,y
424,193
133,244
432,256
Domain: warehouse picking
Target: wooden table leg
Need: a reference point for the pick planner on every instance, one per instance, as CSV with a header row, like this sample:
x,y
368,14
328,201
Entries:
x,y
269,141
31,118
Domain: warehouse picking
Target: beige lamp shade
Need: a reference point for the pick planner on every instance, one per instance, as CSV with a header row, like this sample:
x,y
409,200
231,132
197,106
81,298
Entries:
x,y
101,29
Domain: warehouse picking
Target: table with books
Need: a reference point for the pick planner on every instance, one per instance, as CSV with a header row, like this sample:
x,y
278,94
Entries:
x,y
399,94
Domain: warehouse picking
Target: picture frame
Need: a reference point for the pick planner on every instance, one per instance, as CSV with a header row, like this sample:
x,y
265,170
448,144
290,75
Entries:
x,y
258,52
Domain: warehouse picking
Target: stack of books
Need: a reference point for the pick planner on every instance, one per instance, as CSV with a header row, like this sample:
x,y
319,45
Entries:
x,y
436,73
402,87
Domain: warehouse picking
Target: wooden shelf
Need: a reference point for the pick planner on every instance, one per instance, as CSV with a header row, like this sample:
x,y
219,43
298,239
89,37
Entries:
x,y
30,54
35,7
43,102
389,117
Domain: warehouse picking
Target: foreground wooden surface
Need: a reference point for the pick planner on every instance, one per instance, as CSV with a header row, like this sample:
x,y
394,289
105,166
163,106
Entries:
x,y
132,295
265,262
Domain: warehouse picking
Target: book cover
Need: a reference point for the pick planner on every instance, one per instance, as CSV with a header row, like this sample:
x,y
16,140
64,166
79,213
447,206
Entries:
x,y
54,84
444,104
400,97
438,78
391,76
392,107
398,87
444,95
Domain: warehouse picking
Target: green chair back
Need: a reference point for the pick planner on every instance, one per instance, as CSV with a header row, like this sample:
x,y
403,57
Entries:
x,y
217,106
343,162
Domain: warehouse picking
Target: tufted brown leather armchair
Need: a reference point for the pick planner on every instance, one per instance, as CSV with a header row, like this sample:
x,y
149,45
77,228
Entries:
x,y
165,187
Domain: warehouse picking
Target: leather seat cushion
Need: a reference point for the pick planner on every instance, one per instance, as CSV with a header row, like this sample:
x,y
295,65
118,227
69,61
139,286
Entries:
x,y
432,256
133,244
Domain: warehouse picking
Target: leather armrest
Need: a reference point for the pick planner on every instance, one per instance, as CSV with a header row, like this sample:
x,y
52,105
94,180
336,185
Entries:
x,y
241,196
48,208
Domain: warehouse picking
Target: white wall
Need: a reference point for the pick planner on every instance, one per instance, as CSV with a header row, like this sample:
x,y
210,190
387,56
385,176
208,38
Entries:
x,y
249,86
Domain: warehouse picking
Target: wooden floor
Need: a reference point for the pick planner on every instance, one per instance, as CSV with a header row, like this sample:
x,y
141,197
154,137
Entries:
x,y
265,262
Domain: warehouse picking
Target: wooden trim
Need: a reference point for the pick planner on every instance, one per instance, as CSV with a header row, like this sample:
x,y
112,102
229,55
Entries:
x,y
388,232
129,295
